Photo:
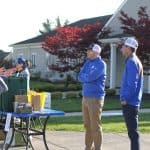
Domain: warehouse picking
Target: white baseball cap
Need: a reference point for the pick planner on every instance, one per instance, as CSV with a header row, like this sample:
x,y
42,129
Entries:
x,y
131,42
95,48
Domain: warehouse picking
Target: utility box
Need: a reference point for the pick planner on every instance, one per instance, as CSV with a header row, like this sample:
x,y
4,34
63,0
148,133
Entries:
x,y
16,86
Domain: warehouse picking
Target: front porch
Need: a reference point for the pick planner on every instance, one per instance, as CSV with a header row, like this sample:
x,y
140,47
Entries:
x,y
115,65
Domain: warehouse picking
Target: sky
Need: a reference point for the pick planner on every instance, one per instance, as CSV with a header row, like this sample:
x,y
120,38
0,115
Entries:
x,y
22,19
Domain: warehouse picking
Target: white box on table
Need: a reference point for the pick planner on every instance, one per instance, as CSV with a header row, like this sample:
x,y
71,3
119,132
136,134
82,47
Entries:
x,y
47,104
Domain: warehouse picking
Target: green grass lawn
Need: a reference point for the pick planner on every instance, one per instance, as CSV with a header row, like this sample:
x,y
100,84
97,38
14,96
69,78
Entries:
x,y
111,124
74,105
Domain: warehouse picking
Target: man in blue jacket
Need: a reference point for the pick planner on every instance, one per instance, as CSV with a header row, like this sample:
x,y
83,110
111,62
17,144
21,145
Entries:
x,y
92,76
131,90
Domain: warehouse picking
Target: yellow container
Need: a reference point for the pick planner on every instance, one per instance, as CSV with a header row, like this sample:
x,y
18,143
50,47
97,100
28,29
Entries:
x,y
42,97
29,94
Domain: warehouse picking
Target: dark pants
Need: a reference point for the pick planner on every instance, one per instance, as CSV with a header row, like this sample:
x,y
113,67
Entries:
x,y
130,114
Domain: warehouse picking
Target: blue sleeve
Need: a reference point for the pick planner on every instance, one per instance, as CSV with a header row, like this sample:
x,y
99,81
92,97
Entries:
x,y
95,72
82,71
132,79
80,75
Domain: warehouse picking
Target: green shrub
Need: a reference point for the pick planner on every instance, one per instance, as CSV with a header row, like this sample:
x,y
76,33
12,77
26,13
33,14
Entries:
x,y
41,86
59,87
110,92
80,94
78,86
36,76
53,87
72,87
56,95
71,95
49,88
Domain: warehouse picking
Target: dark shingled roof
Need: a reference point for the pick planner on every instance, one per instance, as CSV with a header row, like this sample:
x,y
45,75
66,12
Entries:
x,y
121,35
3,54
80,23
36,39
102,19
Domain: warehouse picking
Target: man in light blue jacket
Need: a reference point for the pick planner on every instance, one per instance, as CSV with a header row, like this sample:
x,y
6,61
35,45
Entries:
x,y
92,76
131,90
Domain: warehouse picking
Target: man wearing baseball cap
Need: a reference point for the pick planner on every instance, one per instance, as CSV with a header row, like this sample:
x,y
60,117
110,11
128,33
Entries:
x,y
131,90
92,76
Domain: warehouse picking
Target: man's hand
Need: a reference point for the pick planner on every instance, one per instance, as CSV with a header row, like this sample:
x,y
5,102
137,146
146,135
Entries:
x,y
7,72
2,69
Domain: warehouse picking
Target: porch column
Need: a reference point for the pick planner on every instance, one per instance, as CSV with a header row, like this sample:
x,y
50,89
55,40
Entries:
x,y
113,65
148,84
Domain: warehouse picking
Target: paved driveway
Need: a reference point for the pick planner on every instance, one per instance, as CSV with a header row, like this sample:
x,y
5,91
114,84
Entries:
x,y
60,140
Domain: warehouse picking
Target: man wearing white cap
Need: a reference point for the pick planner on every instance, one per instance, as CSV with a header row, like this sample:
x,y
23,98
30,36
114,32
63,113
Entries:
x,y
92,76
131,90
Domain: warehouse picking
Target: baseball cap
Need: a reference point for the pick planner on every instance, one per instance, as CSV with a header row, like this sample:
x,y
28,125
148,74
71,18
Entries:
x,y
95,47
21,60
131,42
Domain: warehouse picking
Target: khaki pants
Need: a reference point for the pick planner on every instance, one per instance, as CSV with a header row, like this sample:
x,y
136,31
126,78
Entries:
x,y
92,109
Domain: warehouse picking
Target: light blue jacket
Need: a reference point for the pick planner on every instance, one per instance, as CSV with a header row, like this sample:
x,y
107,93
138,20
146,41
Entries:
x,y
132,81
25,73
92,76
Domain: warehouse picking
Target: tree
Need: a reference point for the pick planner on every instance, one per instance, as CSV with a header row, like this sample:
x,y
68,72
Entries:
x,y
58,23
49,26
69,45
46,26
140,29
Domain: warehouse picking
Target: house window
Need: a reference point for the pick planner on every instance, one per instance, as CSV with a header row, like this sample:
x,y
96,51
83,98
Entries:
x,y
50,59
33,60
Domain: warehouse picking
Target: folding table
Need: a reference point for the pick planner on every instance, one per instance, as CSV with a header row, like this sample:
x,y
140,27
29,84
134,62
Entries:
x,y
27,123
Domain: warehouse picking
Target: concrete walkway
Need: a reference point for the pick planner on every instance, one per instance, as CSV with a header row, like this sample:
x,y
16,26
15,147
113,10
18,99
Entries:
x,y
60,140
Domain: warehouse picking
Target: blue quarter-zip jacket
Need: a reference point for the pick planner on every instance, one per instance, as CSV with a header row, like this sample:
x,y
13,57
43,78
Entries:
x,y
92,76
132,81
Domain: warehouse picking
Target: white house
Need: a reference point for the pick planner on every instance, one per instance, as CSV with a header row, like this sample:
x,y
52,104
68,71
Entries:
x,y
32,49
131,7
